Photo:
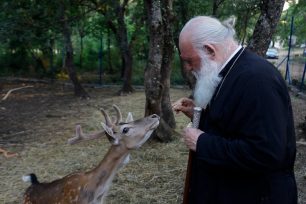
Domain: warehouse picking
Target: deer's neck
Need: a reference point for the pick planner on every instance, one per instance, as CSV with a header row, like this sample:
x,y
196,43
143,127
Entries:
x,y
103,174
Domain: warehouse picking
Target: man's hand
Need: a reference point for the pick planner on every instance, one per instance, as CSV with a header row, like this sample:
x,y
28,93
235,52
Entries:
x,y
184,105
191,136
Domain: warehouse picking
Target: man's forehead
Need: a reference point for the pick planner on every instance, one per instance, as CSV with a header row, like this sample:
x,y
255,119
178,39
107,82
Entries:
x,y
184,37
185,44
187,51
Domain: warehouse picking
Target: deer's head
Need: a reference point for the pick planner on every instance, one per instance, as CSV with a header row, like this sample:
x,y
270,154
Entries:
x,y
131,133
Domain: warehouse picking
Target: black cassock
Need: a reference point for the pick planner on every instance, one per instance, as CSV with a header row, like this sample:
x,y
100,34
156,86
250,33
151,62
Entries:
x,y
247,152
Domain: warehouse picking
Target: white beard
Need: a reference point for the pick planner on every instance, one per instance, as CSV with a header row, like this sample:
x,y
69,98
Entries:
x,y
207,81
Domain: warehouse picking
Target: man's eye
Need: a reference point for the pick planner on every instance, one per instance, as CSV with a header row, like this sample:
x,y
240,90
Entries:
x,y
125,130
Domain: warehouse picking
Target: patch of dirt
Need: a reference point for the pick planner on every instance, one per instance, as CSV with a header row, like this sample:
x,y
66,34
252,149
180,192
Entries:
x,y
36,123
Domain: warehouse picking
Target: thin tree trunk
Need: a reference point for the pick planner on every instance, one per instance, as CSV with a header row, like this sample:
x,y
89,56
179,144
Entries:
x,y
180,21
81,30
266,25
216,5
168,51
69,65
110,66
120,31
51,56
81,51
125,50
245,25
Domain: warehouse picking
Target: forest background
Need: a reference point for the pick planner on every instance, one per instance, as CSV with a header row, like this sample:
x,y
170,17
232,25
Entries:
x,y
110,40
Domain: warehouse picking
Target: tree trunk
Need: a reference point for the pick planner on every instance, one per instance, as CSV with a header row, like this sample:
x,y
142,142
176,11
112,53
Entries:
x,y
157,72
51,56
216,5
81,30
153,86
125,51
168,51
180,21
246,18
69,65
81,51
120,31
266,25
110,66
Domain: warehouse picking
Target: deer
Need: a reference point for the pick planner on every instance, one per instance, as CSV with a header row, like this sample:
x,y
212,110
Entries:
x,y
91,187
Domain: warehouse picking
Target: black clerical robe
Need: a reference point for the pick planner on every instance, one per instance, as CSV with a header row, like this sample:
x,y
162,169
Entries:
x,y
247,152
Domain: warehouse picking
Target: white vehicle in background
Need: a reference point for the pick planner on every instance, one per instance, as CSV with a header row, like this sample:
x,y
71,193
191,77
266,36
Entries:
x,y
272,53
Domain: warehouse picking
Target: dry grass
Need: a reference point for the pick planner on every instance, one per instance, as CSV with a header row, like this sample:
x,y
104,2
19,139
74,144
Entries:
x,y
37,122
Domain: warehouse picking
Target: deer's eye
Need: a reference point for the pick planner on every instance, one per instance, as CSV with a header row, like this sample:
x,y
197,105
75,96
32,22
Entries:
x,y
125,130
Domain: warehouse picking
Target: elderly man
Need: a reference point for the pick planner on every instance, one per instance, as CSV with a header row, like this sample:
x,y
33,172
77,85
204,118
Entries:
x,y
244,149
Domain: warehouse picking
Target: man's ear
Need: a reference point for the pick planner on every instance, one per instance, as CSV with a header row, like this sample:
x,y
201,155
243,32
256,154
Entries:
x,y
210,51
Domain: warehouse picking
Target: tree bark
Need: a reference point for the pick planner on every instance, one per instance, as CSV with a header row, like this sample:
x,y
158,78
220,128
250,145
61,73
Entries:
x,y
168,51
158,69
216,5
69,65
245,25
153,85
81,31
51,56
180,21
81,51
110,66
125,50
266,25
120,30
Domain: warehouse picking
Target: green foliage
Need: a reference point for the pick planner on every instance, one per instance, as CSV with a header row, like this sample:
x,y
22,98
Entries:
x,y
246,12
14,63
298,11
138,70
176,76
30,32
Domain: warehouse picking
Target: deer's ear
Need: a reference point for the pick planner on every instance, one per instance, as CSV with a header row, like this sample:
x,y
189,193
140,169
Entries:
x,y
129,118
110,132
107,129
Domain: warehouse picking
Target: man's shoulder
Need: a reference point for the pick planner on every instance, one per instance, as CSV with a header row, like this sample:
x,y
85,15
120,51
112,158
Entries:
x,y
253,69
255,60
253,65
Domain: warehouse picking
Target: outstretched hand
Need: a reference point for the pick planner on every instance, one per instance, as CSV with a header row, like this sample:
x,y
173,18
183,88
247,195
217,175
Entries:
x,y
184,105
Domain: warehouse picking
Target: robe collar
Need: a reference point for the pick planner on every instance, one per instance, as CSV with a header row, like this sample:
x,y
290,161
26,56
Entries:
x,y
228,65
229,62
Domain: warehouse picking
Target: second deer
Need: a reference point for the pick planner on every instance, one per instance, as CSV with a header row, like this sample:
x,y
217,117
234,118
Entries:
x,y
91,187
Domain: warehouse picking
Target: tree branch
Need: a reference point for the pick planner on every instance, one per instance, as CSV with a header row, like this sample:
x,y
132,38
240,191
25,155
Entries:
x,y
15,89
7,154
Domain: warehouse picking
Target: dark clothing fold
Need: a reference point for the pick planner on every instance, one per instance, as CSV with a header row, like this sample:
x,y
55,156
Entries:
x,y
247,152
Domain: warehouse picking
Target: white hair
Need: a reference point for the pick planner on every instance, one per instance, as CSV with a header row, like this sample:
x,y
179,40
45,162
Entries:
x,y
209,30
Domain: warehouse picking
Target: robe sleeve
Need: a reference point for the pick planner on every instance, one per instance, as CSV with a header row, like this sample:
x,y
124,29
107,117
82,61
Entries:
x,y
263,119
